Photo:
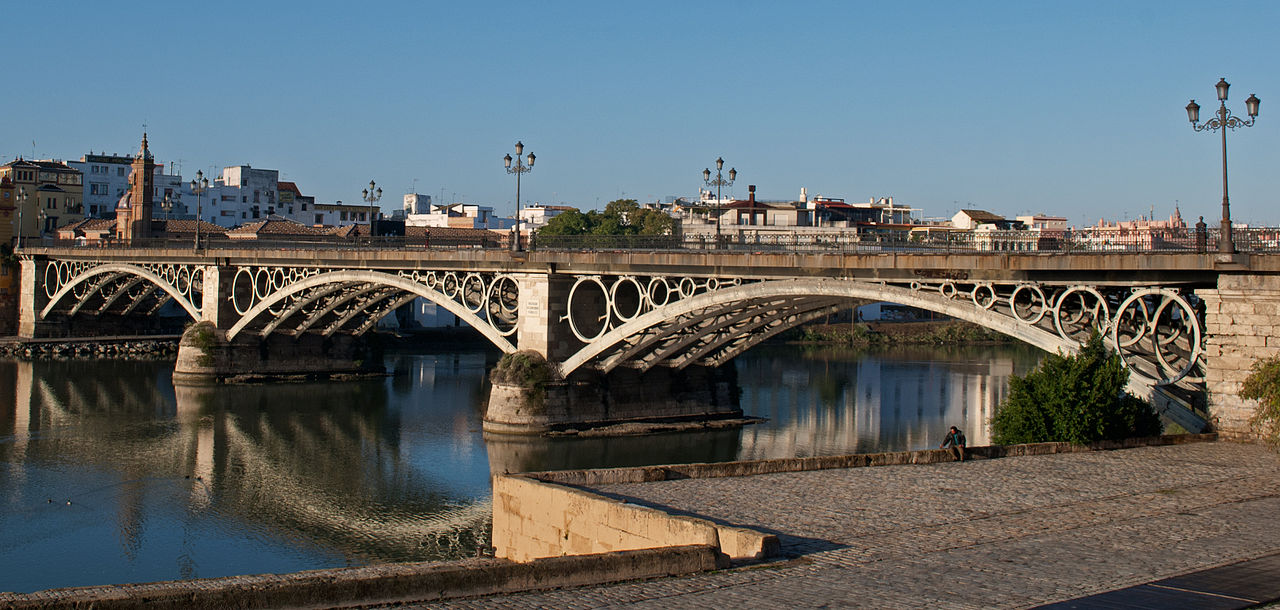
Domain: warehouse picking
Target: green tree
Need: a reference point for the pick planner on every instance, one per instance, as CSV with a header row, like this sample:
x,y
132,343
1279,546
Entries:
x,y
569,222
1077,398
1263,385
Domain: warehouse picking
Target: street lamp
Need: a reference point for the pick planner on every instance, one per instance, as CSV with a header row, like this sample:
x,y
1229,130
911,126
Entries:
x,y
199,186
166,204
22,203
44,219
718,182
518,169
1224,121
372,195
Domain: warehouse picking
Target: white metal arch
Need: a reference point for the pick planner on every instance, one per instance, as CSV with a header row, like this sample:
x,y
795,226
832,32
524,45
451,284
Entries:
x,y
929,300
378,278
126,269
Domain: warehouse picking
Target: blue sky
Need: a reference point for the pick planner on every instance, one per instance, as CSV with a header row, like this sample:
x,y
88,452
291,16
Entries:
x,y
1069,108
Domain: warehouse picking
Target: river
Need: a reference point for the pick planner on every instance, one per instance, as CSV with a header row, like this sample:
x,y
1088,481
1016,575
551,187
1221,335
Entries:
x,y
110,474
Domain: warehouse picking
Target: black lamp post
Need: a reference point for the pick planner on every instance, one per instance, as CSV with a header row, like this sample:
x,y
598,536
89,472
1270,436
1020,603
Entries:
x,y
1223,121
718,182
199,186
372,195
518,169
166,204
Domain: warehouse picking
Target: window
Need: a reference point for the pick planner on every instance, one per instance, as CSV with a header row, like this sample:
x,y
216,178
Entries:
x,y
255,196
119,171
342,215
319,219
244,199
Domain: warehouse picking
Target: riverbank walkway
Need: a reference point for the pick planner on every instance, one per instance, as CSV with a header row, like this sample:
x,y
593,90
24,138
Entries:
x,y
1006,533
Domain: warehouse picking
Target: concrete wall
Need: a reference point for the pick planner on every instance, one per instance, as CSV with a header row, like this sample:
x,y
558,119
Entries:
x,y
1242,319
533,520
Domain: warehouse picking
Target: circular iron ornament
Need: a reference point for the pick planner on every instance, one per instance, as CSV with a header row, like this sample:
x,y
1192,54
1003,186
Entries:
x,y
474,292
659,292
1173,308
687,287
604,319
1078,297
1036,295
984,296
639,298
503,305
947,290
242,291
449,285
51,283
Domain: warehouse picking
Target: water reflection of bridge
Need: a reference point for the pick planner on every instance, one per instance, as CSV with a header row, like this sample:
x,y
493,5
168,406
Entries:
x,y
290,463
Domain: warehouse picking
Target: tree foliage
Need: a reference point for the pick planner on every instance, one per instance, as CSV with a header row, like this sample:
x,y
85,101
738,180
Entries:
x,y
1263,385
1077,398
620,217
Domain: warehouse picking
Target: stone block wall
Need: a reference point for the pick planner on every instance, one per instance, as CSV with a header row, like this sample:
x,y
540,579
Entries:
x,y
534,520
1242,323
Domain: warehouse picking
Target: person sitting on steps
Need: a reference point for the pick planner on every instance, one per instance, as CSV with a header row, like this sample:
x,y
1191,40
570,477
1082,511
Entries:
x,y
954,440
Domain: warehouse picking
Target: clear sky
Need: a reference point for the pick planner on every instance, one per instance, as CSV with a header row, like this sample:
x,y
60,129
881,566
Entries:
x,y
1069,108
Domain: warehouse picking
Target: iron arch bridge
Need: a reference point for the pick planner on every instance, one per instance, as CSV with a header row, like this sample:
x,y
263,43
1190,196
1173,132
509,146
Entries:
x,y
672,317
647,321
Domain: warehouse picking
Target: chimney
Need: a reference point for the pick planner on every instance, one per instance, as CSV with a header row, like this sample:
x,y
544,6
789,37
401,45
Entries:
x,y
804,195
751,189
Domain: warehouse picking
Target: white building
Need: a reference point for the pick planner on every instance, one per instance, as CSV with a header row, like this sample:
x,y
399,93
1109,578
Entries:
x,y
106,178
460,216
417,204
536,216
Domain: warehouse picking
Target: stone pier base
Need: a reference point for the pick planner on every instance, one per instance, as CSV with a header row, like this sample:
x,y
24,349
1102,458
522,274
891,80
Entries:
x,y
1242,319
590,399
205,356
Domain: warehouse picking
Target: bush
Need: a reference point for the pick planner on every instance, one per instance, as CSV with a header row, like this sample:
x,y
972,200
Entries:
x,y
1077,399
528,370
1263,385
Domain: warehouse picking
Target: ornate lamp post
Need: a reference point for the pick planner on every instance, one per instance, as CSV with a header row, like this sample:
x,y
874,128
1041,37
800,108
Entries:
x,y
518,169
372,195
22,203
199,186
166,204
718,182
1224,121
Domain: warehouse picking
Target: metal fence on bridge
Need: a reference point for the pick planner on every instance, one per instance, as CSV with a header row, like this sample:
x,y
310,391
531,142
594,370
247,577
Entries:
x,y
1076,241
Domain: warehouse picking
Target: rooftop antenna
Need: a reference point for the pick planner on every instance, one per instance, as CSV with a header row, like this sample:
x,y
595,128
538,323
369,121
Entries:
x,y
413,188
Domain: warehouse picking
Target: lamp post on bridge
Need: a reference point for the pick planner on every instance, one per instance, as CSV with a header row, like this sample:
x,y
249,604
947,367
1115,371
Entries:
x,y
518,169
372,196
22,203
1224,120
199,186
718,182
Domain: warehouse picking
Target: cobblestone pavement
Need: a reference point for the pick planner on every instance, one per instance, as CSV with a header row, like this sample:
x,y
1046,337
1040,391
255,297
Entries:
x,y
1011,532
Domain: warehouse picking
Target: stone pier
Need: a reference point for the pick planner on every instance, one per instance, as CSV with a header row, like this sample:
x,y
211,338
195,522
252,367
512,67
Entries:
x,y
1242,319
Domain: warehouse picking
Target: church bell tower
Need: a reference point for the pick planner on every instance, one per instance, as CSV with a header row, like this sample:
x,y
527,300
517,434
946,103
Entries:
x,y
133,214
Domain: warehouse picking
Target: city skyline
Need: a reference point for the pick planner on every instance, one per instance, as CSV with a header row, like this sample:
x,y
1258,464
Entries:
x,y
1071,110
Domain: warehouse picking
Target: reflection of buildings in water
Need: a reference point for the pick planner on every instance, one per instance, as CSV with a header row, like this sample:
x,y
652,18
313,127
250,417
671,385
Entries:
x,y
878,402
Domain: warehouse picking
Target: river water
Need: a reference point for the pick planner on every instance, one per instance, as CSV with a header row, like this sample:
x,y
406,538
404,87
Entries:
x,y
110,474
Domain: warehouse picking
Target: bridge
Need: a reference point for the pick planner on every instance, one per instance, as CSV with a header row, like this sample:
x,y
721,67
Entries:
x,y
637,334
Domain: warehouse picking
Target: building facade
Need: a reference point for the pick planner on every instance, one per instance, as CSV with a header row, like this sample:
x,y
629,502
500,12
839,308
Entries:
x,y
46,194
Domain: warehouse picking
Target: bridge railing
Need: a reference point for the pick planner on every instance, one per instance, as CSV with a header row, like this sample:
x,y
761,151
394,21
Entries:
x,y
1083,241
1087,240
